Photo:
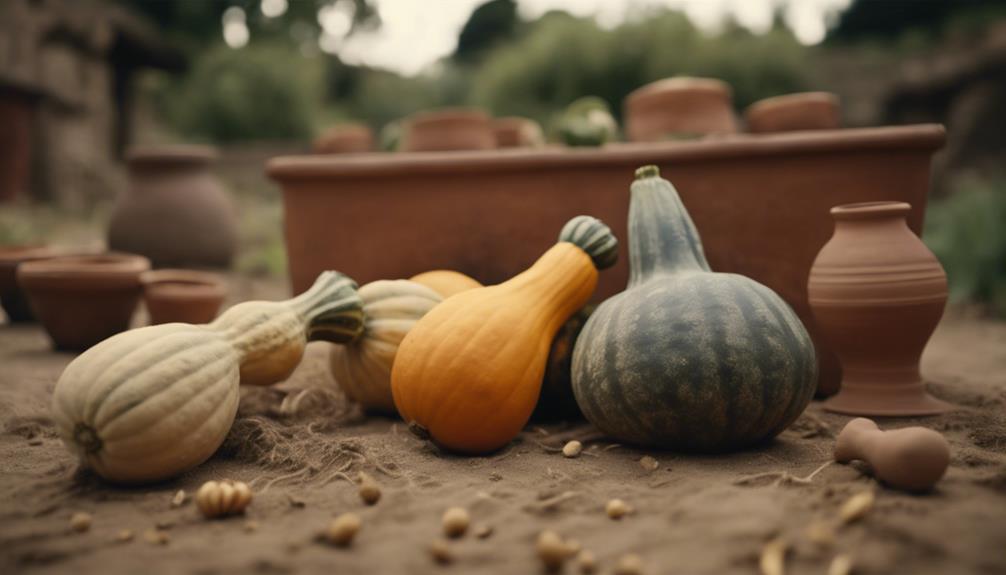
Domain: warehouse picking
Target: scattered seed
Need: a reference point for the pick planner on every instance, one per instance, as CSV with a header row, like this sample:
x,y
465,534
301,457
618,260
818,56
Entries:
x,y
179,499
616,509
124,535
648,463
156,537
483,531
586,562
856,507
80,522
440,550
773,557
222,498
251,526
370,491
164,524
630,564
572,449
821,533
551,550
573,547
456,522
840,565
343,529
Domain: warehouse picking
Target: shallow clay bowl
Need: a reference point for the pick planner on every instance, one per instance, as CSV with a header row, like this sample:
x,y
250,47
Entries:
x,y
182,296
345,139
449,129
83,299
13,298
679,107
517,132
801,111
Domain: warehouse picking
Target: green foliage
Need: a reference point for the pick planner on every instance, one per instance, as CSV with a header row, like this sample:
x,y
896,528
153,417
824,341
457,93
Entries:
x,y
489,24
967,232
263,91
929,19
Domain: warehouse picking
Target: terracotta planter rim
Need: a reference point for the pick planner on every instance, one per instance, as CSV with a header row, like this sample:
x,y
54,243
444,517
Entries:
x,y
445,114
792,99
182,283
26,252
172,154
110,269
860,140
711,86
870,210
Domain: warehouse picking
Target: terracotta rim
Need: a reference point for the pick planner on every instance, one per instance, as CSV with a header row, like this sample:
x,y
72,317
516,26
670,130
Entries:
x,y
26,252
111,269
767,105
859,140
182,283
870,210
171,154
449,114
680,84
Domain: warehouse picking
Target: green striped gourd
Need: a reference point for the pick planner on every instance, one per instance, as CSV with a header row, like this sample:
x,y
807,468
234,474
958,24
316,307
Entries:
x,y
150,403
686,358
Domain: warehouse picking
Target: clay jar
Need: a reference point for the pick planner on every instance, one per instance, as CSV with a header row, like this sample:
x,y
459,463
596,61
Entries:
x,y
82,300
345,139
679,108
182,296
175,212
13,298
876,293
449,129
517,132
802,111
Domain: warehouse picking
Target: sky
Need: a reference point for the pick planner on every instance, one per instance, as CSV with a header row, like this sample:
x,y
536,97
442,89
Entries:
x,y
416,33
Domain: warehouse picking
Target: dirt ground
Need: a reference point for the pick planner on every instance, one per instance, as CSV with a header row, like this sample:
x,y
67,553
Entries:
x,y
294,444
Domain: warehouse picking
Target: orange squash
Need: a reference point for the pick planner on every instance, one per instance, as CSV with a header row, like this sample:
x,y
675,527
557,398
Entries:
x,y
446,282
469,372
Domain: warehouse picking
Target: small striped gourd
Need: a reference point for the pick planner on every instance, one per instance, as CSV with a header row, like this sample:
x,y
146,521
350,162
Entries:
x,y
686,358
469,372
150,403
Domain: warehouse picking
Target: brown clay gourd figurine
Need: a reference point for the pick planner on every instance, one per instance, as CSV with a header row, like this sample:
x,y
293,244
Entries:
x,y
877,293
912,458
470,371
686,358
151,403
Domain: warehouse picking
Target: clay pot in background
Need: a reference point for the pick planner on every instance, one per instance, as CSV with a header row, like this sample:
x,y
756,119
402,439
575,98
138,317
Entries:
x,y
182,295
175,212
449,129
877,293
84,299
802,111
13,298
345,139
517,132
679,107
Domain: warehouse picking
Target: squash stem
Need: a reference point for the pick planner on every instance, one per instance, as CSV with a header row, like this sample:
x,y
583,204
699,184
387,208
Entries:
x,y
86,438
332,309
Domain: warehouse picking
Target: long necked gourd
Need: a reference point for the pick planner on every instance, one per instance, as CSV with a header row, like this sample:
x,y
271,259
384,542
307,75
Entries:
x,y
150,403
686,358
469,372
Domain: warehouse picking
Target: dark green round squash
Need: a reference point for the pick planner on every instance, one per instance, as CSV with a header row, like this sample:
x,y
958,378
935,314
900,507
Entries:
x,y
686,358
556,401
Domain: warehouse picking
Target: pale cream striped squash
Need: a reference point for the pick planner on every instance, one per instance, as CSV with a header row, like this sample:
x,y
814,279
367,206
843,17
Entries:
x,y
150,403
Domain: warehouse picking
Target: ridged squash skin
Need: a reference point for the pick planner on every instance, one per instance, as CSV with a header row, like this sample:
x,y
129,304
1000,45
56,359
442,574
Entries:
x,y
151,403
362,367
446,282
686,358
469,372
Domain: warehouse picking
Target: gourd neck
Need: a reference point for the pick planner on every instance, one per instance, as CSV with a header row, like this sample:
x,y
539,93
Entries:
x,y
332,309
561,281
662,237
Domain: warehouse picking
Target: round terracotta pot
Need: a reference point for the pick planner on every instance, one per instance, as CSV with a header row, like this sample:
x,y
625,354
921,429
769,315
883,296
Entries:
x,y
677,108
449,129
84,299
13,298
345,139
175,212
876,293
517,132
791,112
182,296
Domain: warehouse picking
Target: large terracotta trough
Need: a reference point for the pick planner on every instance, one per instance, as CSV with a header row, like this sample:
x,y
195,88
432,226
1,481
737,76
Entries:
x,y
761,203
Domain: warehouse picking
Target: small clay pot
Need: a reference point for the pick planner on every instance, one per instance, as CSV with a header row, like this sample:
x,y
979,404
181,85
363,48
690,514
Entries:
x,y
13,298
345,139
517,132
792,112
83,299
677,108
876,293
911,458
449,129
182,296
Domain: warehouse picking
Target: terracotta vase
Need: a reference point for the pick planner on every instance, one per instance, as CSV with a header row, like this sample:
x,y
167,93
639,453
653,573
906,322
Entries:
x,y
449,129
82,300
877,293
517,132
679,108
175,212
13,298
345,139
487,214
182,296
802,111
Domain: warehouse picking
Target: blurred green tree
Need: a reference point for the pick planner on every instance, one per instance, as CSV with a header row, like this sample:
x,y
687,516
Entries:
x,y
489,25
889,19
